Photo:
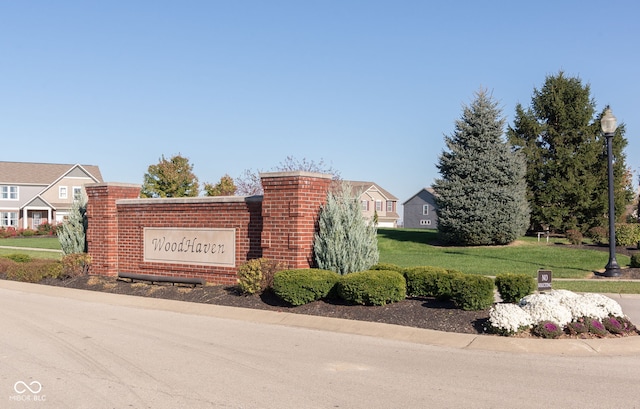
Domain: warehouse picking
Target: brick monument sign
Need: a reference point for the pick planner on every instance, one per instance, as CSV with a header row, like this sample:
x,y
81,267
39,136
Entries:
x,y
204,237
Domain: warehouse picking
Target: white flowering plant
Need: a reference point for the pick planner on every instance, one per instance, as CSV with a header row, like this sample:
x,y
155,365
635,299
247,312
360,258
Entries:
x,y
564,308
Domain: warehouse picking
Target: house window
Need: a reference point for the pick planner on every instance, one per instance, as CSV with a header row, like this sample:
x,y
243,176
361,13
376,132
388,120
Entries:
x,y
425,209
62,192
9,192
9,219
77,193
378,205
365,205
424,222
389,206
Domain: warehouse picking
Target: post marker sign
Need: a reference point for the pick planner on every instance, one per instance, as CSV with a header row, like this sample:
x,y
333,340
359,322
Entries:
x,y
544,280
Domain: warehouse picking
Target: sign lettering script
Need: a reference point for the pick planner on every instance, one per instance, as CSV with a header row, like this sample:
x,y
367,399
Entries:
x,y
213,247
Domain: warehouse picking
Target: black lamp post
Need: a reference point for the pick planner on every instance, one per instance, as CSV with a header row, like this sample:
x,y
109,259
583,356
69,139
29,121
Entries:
x,y
609,125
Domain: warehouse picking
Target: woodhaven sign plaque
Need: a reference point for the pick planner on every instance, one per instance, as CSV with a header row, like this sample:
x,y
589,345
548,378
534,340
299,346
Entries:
x,y
211,247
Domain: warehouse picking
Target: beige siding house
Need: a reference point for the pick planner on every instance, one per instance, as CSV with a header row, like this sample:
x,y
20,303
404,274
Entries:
x,y
36,193
376,201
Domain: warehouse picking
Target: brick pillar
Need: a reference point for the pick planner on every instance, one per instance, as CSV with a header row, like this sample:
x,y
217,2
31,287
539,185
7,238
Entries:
x,y
102,224
290,208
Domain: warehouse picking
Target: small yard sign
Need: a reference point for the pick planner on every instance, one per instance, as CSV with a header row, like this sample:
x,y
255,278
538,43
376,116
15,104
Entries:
x,y
544,280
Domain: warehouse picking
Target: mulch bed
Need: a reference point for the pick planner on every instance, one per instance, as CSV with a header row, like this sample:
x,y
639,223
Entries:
x,y
418,312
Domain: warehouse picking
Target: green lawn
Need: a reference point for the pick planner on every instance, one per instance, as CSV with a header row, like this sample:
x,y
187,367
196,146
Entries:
x,y
407,247
35,243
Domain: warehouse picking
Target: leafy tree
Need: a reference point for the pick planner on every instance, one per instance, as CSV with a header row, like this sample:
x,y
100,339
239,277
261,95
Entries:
x,y
481,195
345,242
566,157
225,187
170,178
249,182
72,233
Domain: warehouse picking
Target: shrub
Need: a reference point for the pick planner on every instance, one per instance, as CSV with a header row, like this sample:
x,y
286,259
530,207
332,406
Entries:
x,y
8,232
574,236
5,264
74,265
627,234
34,271
635,261
302,286
598,234
72,233
27,232
472,292
375,287
512,287
256,276
547,329
19,257
345,241
425,281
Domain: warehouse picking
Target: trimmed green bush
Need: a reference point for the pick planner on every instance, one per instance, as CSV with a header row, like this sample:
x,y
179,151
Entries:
x,y
19,257
34,271
512,287
256,276
373,287
425,281
302,286
635,261
472,292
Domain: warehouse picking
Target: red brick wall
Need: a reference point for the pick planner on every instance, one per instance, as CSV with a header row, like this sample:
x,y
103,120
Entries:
x,y
279,226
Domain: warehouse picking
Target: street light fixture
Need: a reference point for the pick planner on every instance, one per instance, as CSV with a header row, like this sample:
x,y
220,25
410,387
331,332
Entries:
x,y
609,124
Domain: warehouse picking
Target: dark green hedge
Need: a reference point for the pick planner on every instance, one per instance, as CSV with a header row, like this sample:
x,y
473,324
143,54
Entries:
x,y
374,287
513,287
302,286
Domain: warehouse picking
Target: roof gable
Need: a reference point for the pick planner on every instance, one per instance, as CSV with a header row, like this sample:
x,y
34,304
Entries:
x,y
360,187
29,173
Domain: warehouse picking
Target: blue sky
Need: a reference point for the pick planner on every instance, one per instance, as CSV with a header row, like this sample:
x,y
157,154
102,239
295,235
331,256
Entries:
x,y
370,87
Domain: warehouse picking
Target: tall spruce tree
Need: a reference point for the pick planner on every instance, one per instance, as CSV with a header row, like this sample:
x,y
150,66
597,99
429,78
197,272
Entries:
x,y
481,195
172,177
345,242
566,157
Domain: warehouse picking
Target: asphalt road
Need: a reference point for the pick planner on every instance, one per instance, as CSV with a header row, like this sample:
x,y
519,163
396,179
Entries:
x,y
109,351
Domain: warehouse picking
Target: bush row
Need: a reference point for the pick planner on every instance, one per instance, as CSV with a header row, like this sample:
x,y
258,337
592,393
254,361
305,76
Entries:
x,y
387,283
44,229
21,267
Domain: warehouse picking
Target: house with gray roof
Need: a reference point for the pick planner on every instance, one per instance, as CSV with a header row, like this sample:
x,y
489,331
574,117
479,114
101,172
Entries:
x,y
420,210
35,193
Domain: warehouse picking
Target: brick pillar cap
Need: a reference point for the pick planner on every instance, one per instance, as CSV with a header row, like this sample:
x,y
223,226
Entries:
x,y
301,173
118,184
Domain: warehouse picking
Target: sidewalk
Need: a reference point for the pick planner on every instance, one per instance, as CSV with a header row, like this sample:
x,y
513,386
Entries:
x,y
29,248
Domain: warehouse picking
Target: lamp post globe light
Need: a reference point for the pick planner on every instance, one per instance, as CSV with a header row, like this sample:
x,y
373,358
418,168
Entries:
x,y
609,125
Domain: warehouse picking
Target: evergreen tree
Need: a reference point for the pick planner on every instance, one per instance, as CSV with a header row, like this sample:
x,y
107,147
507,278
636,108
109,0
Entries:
x,y
225,187
72,233
566,157
345,242
170,178
481,195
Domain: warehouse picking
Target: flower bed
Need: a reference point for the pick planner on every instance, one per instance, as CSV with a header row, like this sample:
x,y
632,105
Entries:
x,y
577,315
